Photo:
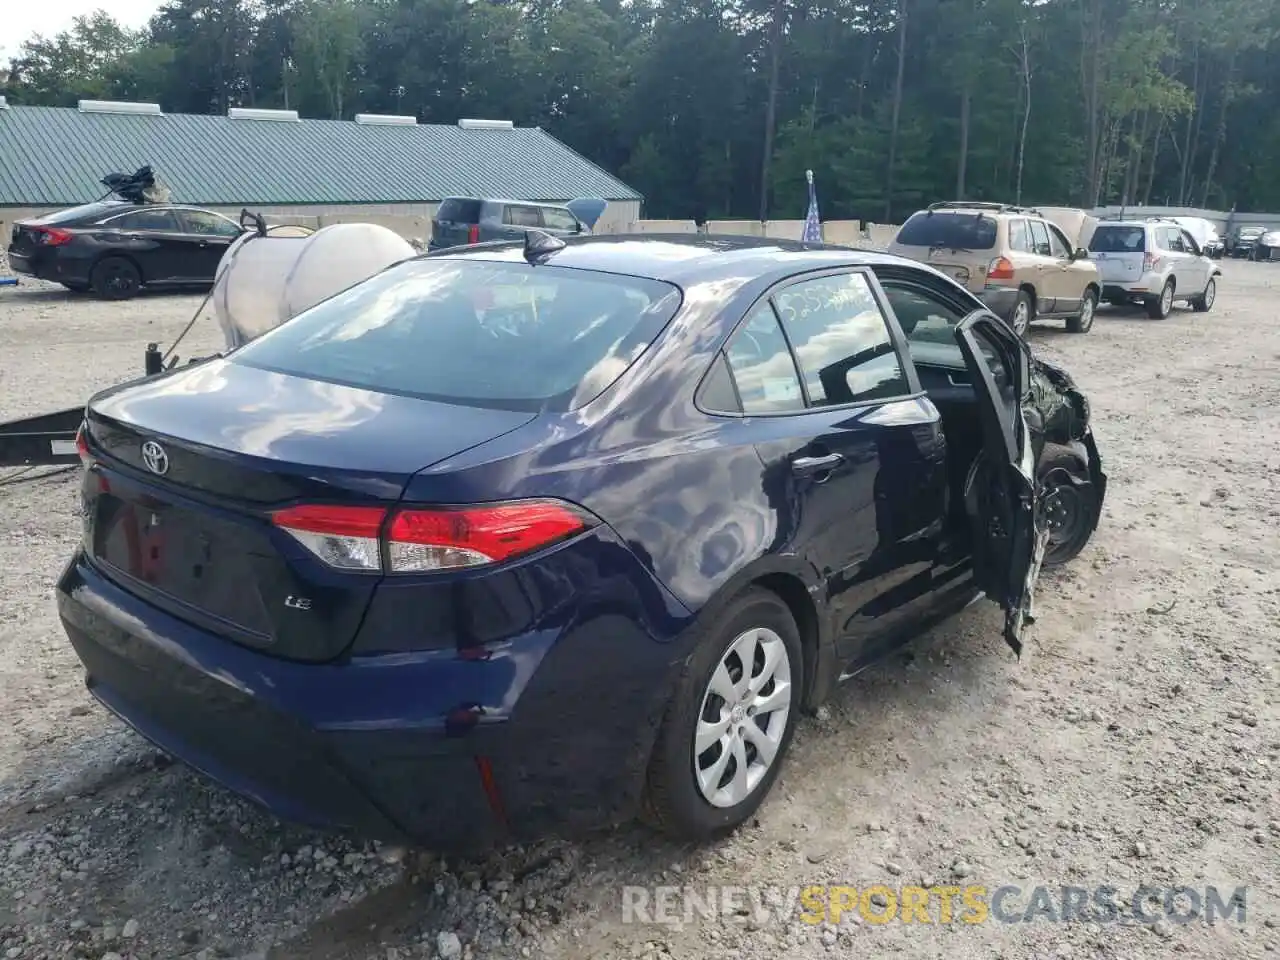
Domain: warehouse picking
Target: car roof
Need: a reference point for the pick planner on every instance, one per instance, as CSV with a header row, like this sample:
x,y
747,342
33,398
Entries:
x,y
523,203
689,259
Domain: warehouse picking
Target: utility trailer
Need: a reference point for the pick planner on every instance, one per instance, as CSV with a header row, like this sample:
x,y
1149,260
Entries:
x,y
49,439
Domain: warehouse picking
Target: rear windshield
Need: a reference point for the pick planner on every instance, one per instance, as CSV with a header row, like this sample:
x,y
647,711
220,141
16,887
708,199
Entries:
x,y
458,210
1114,239
84,211
960,231
474,332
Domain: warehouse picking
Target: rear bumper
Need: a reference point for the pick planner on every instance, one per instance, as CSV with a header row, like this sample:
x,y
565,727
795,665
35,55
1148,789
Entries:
x,y
1000,300
545,734
48,265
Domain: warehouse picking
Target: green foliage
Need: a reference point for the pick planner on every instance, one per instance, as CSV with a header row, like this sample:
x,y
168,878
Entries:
x,y
1145,99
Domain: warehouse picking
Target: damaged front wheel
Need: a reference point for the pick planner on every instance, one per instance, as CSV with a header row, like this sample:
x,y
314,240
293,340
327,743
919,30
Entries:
x,y
1070,503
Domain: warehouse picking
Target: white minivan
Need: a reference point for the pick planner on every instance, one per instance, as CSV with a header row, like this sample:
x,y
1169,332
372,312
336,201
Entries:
x,y
1153,262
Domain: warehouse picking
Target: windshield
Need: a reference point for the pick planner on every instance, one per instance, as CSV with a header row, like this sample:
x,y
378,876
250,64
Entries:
x,y
474,332
1117,239
960,231
1250,233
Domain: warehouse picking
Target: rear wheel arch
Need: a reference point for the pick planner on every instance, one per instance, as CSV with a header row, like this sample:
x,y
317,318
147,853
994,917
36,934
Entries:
x,y
791,590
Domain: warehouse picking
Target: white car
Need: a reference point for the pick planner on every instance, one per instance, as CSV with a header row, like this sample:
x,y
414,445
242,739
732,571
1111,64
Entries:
x,y
1153,262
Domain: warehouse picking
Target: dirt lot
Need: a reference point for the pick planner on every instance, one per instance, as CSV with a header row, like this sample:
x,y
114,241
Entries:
x,y
1138,743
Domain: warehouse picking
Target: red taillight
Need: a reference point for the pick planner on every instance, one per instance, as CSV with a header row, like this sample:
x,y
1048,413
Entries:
x,y
82,446
423,540
1149,262
52,236
419,541
473,234
1000,269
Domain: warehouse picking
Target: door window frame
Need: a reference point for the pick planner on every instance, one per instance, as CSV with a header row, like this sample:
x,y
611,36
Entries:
x,y
115,224
898,339
1054,231
1031,226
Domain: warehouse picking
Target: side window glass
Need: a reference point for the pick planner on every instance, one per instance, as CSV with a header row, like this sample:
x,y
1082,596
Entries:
x,y
762,365
841,340
1188,242
717,394
559,219
1040,236
147,220
1020,237
523,216
1058,243
923,317
207,224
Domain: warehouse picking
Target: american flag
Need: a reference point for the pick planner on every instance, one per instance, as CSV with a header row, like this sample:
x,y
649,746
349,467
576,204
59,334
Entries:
x,y
812,225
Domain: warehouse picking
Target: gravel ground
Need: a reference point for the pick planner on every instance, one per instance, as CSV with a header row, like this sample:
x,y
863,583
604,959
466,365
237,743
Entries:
x,y
1136,743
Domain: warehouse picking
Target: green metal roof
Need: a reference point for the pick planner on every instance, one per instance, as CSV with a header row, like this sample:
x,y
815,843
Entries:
x,y
55,156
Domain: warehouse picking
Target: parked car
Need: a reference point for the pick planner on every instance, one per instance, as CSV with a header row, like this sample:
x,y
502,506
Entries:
x,y
1241,240
1153,262
115,248
469,220
1205,234
1266,247
513,539
1022,265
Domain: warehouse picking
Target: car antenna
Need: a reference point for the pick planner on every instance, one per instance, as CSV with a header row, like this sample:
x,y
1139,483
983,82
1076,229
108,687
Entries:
x,y
538,245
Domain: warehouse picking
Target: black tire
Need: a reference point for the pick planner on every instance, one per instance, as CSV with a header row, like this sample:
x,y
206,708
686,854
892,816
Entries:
x,y
1204,302
115,278
1082,322
1160,307
1074,515
674,803
1024,306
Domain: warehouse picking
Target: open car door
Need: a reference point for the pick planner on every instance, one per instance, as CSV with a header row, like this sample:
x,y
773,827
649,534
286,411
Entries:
x,y
1010,532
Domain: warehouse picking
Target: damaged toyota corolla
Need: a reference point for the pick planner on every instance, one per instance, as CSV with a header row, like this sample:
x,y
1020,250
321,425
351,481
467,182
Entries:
x,y
532,537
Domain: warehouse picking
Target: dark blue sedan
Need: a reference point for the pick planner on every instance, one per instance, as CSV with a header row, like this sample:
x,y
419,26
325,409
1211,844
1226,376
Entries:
x,y
527,538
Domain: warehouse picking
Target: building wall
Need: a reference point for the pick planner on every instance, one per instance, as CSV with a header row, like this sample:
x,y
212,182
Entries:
x,y
410,220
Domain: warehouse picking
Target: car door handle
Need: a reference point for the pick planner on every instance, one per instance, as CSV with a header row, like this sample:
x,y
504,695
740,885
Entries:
x,y
807,466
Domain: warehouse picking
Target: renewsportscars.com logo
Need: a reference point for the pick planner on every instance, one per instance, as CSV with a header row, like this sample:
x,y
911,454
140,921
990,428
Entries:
x,y
970,904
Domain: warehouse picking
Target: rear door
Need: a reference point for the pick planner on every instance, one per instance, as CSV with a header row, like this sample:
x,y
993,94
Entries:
x,y
854,457
1010,531
151,237
205,238
1048,275
517,220
1118,251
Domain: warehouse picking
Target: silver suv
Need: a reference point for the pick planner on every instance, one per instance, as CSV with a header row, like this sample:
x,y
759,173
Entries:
x,y
1153,262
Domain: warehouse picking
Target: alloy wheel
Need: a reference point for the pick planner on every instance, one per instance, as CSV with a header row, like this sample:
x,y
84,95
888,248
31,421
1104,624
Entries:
x,y
743,717
1210,293
1021,318
1086,313
1166,298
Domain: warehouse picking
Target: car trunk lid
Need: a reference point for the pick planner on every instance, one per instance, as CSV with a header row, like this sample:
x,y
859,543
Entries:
x,y
191,466
1119,252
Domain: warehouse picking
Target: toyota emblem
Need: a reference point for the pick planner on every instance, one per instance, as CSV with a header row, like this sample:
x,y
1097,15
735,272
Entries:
x,y
156,460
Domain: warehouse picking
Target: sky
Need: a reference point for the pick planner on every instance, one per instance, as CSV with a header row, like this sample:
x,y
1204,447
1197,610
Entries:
x,y
22,18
